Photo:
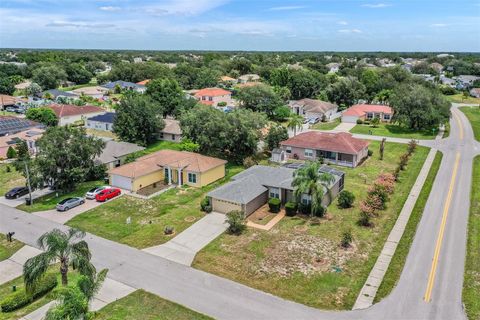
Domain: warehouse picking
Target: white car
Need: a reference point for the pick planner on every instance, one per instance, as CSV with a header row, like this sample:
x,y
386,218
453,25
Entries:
x,y
92,193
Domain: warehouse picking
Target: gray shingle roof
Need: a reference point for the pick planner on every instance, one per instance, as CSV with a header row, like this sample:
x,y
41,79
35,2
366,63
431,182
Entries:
x,y
116,149
278,177
239,191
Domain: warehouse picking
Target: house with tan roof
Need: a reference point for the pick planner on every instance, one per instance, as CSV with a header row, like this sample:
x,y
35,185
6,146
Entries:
x,y
248,78
30,136
337,148
168,167
171,131
96,92
367,112
70,114
213,96
311,108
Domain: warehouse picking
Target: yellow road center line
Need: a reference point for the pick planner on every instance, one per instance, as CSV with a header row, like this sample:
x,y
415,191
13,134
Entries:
x,y
438,246
459,124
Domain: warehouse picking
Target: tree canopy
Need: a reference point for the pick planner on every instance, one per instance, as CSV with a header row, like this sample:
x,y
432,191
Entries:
x,y
43,115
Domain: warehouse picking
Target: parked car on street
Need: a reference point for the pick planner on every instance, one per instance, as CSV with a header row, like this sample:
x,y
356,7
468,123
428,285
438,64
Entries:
x,y
16,193
92,193
107,194
69,203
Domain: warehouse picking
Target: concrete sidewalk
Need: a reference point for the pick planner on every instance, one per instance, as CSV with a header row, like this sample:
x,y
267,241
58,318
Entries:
x,y
183,248
13,267
375,278
111,291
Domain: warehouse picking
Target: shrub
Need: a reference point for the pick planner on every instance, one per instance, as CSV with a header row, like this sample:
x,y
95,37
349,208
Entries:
x,y
304,208
8,169
347,239
412,145
377,190
364,219
403,161
370,152
274,205
359,121
345,199
204,204
236,223
20,298
222,104
208,209
387,181
249,162
290,209
320,211
11,153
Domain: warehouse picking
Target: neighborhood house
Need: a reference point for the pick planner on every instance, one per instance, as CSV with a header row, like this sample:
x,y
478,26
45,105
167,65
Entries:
x,y
336,148
103,122
125,85
70,114
171,131
367,112
311,108
29,136
115,153
214,96
252,188
10,125
168,167
96,92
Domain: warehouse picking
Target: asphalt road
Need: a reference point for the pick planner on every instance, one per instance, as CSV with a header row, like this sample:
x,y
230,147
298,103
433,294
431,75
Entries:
x,y
434,266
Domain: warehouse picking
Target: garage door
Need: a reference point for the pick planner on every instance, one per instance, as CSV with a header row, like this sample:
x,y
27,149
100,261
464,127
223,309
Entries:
x,y
121,182
349,119
225,206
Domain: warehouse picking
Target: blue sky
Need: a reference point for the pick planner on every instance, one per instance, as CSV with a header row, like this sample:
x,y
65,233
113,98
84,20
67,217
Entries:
x,y
312,25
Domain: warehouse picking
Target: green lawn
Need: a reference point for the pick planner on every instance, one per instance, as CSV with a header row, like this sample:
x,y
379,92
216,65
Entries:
x,y
175,207
157,146
459,98
396,265
49,201
393,130
473,115
326,125
300,259
146,306
471,283
6,288
8,248
11,179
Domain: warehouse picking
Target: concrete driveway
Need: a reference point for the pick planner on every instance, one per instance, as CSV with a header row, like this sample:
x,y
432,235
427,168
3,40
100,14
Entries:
x,y
16,202
64,217
183,248
13,267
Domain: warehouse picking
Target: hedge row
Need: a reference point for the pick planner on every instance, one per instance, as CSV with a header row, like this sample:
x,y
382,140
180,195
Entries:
x,y
19,299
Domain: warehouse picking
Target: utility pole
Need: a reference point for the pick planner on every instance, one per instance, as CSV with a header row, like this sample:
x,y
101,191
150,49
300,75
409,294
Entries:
x,y
28,183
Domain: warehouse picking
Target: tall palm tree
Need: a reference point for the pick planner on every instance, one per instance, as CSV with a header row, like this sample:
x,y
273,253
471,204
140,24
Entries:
x,y
308,180
64,247
295,122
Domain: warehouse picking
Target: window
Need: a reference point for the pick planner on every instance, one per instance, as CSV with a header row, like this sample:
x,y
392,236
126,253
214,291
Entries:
x,y
306,199
192,177
308,153
204,98
386,117
161,135
210,98
274,193
369,115
173,137
166,174
288,149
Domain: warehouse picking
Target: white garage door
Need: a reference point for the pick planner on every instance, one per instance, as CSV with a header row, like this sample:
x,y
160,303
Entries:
x,y
121,182
349,119
224,206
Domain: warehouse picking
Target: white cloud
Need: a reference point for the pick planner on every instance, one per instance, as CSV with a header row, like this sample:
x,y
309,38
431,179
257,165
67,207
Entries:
x,y
350,31
110,8
73,24
343,23
438,25
376,5
183,7
285,8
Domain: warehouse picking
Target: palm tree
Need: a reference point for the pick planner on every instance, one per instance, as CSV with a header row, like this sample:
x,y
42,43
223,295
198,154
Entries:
x,y
295,122
308,180
64,247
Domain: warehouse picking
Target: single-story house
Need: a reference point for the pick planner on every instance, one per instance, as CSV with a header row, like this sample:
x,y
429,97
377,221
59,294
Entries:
x,y
466,81
143,82
228,80
333,67
70,114
29,136
367,112
55,93
475,92
96,92
170,167
213,96
11,124
436,66
7,101
125,85
248,78
253,187
171,131
311,108
115,153
337,148
103,122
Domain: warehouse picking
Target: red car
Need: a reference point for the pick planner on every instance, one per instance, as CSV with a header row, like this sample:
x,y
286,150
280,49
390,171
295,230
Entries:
x,y
107,194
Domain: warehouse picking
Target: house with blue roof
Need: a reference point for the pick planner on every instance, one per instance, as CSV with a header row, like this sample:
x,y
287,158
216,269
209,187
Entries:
x,y
125,85
103,122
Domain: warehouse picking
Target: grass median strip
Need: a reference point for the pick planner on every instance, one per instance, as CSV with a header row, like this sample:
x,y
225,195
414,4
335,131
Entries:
x,y
394,131
471,282
473,115
7,249
398,261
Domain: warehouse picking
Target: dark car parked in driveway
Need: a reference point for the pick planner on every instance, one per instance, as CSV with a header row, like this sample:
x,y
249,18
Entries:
x,y
16,193
69,203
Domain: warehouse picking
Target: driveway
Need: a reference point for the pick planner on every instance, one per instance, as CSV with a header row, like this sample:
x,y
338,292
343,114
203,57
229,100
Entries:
x,y
13,267
16,202
344,127
183,248
64,217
